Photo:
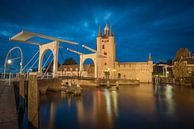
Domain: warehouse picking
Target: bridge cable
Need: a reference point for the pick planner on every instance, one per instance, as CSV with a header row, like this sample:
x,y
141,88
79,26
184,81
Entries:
x,y
47,69
34,64
30,60
46,60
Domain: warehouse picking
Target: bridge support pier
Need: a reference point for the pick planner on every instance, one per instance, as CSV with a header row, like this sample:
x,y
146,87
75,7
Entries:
x,y
33,100
21,108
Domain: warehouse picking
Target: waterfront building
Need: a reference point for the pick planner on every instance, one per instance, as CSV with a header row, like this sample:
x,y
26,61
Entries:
x,y
183,64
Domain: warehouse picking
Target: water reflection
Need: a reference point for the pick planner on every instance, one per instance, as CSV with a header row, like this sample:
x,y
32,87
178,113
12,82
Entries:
x,y
98,109
165,103
144,106
52,115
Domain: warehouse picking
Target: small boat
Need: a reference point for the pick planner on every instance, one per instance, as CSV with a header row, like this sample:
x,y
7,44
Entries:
x,y
72,89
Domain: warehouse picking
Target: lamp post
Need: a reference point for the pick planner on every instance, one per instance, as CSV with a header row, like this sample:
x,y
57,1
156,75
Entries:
x,y
71,74
77,72
65,72
107,73
114,70
167,73
9,61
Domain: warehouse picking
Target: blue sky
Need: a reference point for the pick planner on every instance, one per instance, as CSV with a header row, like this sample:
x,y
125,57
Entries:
x,y
140,27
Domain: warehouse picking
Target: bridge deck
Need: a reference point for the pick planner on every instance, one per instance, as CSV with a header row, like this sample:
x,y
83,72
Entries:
x,y
8,113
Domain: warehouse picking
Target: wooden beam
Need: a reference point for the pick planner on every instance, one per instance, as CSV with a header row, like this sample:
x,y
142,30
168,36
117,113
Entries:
x,y
24,36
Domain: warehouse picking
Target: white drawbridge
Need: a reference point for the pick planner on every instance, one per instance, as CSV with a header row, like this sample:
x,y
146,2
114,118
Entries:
x,y
25,36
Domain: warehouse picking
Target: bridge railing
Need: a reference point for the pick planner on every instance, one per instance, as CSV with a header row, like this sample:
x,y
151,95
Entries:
x,y
9,75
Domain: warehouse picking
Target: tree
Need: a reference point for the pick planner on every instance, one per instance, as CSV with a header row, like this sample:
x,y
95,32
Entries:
x,y
69,61
180,70
182,53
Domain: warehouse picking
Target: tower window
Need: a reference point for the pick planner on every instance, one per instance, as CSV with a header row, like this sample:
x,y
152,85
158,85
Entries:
x,y
105,53
102,46
105,64
119,75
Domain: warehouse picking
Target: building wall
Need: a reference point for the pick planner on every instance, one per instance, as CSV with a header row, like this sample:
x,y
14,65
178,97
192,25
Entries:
x,y
141,71
135,71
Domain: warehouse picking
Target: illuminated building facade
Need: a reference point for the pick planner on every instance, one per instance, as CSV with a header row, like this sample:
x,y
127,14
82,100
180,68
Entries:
x,y
105,64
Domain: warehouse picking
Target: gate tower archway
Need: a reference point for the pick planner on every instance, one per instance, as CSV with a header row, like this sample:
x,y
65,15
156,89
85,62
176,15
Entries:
x,y
84,57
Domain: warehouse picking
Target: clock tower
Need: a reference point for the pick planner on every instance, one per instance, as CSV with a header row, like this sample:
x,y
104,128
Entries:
x,y
106,52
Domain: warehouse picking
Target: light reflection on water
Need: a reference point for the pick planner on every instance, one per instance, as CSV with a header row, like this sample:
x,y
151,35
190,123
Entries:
x,y
143,106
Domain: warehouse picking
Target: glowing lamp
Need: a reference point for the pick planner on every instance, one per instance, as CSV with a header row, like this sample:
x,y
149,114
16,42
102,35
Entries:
x,y
9,61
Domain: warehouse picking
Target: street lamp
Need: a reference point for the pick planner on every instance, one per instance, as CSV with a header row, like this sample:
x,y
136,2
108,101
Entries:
x,y
114,70
107,73
77,72
71,72
9,61
65,71
167,73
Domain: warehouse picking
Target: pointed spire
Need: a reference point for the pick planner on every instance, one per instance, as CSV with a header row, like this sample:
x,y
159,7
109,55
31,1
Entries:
x,y
99,32
111,32
150,57
106,29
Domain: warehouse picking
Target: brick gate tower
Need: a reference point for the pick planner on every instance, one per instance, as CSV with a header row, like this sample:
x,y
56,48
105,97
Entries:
x,y
106,47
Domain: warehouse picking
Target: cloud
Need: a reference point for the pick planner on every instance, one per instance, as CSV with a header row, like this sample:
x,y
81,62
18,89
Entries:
x,y
139,26
5,33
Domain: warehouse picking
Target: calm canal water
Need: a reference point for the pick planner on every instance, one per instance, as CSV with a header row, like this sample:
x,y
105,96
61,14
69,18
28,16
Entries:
x,y
131,107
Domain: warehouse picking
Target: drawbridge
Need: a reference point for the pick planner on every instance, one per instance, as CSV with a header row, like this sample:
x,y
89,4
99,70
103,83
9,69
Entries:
x,y
53,45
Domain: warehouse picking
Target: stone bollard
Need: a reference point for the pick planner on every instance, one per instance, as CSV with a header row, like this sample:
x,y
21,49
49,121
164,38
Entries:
x,y
33,100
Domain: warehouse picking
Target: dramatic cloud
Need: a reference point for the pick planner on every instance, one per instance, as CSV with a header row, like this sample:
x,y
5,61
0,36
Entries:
x,y
140,26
